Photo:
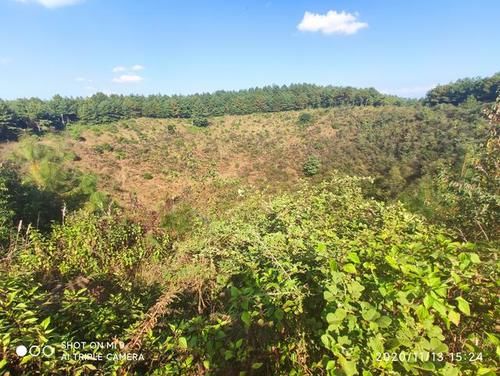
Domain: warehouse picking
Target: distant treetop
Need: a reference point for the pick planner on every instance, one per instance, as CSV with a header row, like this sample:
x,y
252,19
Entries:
x,y
481,89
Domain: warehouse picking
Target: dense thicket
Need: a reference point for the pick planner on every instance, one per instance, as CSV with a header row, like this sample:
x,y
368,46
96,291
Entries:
x,y
39,115
322,281
41,187
480,89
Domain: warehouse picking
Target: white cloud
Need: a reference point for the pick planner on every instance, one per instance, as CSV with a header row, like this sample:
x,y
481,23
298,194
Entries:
x,y
119,68
5,60
332,22
133,68
52,3
83,79
127,78
410,91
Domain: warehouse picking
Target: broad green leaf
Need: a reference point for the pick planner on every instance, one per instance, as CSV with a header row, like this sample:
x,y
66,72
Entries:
x,y
279,314
183,343
246,318
228,354
355,289
325,338
439,307
463,306
26,359
328,296
45,323
428,366
337,317
438,346
422,313
349,367
330,365
454,317
384,321
428,300
474,257
354,258
234,292
450,370
321,247
371,314
349,268
483,371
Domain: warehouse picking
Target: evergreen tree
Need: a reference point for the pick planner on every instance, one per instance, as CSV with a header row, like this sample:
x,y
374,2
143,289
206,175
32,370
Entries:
x,y
8,123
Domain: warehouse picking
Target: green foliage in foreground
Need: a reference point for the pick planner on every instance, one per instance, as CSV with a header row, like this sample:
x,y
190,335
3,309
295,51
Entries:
x,y
322,281
6,213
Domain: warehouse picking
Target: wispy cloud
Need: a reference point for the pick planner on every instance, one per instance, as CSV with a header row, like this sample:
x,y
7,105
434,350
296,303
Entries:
x,y
332,22
5,60
119,68
133,68
52,3
409,91
127,79
130,74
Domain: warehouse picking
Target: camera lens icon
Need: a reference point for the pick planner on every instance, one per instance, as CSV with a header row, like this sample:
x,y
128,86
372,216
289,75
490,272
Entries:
x,y
45,351
21,350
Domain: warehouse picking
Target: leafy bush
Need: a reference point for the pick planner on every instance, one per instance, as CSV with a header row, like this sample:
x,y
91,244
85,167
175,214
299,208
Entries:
x,y
42,183
305,118
311,166
201,122
331,293
6,212
321,281
171,129
179,220
100,149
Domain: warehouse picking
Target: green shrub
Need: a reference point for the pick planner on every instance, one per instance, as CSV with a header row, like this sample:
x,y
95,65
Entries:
x,y
148,176
201,122
101,148
311,166
305,118
171,129
180,220
327,279
6,212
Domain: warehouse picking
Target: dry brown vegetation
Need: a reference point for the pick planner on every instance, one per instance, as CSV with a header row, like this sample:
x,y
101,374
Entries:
x,y
152,166
144,164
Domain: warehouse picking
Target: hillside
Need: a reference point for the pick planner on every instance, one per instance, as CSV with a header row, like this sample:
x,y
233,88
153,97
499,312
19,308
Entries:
x,y
249,188
152,162
320,241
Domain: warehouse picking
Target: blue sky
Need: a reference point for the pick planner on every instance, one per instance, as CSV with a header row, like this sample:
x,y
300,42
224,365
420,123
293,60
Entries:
x,y
78,47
